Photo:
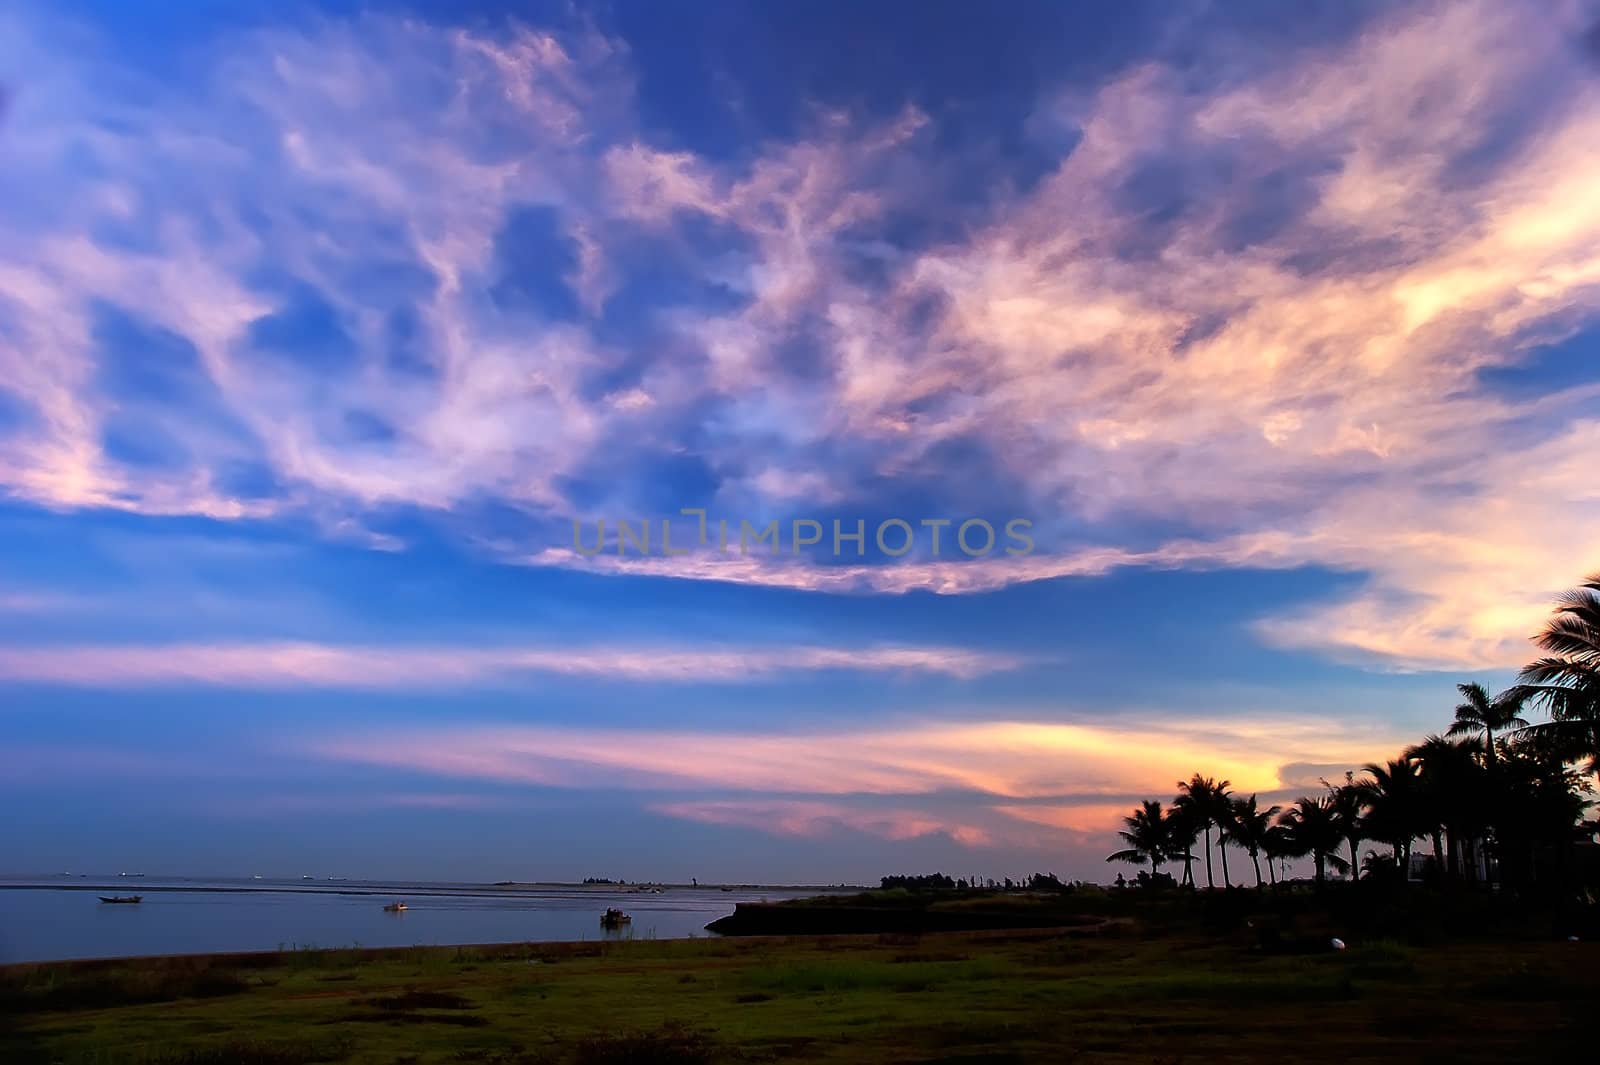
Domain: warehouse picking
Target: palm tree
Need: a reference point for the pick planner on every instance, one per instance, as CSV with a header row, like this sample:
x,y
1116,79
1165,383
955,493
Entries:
x,y
1566,682
1311,827
1348,803
1481,714
1199,797
1393,797
1538,812
1182,832
1453,796
1224,814
1276,845
1147,837
1250,829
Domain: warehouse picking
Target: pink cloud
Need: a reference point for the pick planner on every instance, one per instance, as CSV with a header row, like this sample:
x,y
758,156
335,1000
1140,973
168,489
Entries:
x,y
1096,820
1301,393
950,576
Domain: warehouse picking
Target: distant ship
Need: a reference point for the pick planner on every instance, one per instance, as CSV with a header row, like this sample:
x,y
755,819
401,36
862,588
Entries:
x,y
122,898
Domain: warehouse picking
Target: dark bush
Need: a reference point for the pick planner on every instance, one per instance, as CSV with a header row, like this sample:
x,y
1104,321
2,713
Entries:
x,y
671,1044
99,988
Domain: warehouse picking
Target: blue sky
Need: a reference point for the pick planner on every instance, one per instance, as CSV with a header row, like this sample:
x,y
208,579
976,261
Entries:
x,y
321,326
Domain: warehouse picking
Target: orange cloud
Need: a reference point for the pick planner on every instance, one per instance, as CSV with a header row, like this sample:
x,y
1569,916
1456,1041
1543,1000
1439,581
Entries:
x,y
984,784
1003,760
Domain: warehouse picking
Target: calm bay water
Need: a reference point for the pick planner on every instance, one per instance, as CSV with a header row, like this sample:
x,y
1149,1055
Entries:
x,y
44,920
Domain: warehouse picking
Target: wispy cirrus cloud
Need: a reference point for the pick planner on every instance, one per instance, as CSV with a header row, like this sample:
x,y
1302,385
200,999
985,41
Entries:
x,y
1290,362
277,665
949,576
389,264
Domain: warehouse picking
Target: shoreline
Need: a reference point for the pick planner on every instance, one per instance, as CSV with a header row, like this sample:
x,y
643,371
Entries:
x,y
500,951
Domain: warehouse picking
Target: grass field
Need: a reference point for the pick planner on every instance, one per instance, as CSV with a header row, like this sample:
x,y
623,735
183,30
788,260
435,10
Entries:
x,y
952,998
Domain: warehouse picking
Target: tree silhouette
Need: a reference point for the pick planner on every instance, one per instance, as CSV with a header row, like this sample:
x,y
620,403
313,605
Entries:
x,y
1224,813
1393,797
1182,832
1311,827
1478,713
1201,798
1146,834
1348,804
1251,828
1566,682
1453,790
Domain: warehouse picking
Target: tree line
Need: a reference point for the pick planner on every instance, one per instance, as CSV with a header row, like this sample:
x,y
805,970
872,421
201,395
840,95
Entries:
x,y
944,882
1498,797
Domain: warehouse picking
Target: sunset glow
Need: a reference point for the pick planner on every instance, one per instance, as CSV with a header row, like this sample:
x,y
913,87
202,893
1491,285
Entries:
x,y
322,327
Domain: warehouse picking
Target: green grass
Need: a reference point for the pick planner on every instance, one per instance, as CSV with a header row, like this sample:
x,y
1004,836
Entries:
x,y
954,998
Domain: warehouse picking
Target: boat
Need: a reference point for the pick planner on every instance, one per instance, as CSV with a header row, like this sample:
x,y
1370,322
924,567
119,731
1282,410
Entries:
x,y
396,907
122,898
614,918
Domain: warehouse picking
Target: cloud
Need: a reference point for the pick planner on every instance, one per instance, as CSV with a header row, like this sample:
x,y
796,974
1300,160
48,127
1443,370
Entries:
x,y
1005,760
404,668
387,264
980,784
1303,389
811,819
1085,821
952,576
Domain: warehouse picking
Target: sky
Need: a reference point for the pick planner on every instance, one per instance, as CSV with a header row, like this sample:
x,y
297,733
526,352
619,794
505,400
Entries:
x,y
1264,338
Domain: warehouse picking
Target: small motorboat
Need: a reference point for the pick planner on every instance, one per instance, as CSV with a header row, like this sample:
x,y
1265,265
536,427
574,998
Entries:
x,y
396,907
122,898
614,918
